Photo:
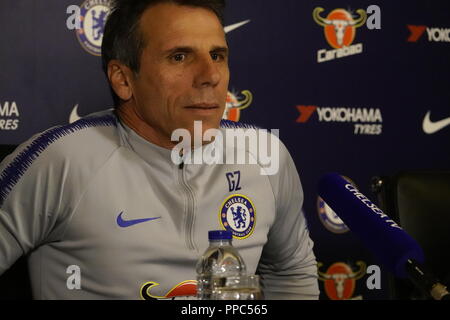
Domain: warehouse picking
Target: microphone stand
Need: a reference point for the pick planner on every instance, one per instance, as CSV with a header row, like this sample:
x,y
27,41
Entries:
x,y
425,281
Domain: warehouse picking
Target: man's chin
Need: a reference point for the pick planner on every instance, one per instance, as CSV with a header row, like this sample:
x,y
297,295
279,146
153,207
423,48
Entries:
x,y
204,123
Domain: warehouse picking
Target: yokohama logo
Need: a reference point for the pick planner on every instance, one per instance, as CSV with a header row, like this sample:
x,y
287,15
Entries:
x,y
366,121
339,114
434,34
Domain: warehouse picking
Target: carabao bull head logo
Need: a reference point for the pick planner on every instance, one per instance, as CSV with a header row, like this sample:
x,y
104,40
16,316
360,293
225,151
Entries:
x,y
339,26
235,104
340,279
184,290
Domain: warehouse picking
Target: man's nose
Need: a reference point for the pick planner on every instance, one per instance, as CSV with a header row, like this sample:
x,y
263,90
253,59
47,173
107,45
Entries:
x,y
207,73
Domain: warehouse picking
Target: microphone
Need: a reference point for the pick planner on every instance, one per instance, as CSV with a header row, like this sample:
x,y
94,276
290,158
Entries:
x,y
393,247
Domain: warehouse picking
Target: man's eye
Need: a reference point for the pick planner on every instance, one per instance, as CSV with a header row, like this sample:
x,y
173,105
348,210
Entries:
x,y
179,57
217,56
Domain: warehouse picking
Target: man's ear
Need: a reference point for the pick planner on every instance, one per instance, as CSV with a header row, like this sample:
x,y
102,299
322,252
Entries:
x,y
119,78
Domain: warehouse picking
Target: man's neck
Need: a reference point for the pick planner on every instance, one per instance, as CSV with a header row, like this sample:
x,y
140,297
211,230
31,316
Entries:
x,y
132,119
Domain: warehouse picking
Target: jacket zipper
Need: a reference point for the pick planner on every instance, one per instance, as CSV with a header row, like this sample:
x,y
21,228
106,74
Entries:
x,y
190,214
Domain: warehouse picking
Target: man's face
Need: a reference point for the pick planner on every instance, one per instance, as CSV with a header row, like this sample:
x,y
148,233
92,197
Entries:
x,y
184,72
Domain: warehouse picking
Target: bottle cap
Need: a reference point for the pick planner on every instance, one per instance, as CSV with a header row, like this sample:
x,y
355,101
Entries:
x,y
220,235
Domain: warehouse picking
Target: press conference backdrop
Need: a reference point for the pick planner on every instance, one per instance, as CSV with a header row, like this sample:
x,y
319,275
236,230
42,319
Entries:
x,y
356,87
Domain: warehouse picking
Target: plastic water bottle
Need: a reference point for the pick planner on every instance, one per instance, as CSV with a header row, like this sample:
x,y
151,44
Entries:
x,y
220,260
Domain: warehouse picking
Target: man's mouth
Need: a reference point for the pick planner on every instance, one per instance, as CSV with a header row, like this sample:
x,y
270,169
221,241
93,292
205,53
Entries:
x,y
203,106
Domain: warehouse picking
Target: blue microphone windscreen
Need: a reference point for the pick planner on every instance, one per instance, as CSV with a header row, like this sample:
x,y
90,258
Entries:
x,y
378,232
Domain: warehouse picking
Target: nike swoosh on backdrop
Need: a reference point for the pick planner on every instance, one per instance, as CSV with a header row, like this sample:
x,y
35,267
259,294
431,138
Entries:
x,y
235,26
74,115
430,127
128,223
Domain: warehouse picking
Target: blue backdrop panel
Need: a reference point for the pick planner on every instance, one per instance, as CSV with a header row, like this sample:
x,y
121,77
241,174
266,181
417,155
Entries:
x,y
360,114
